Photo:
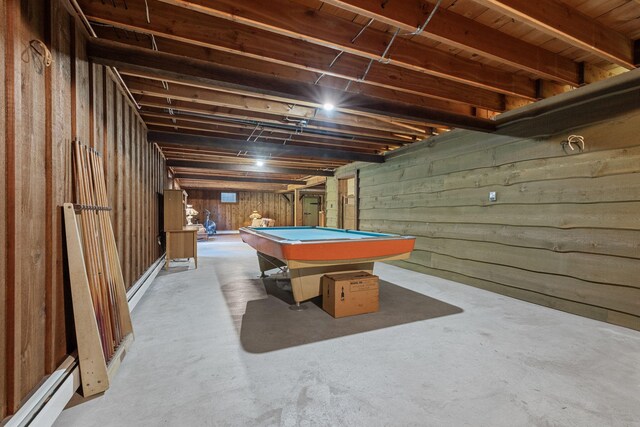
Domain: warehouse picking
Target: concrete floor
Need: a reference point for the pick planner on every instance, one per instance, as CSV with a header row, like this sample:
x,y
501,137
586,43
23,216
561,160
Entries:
x,y
496,362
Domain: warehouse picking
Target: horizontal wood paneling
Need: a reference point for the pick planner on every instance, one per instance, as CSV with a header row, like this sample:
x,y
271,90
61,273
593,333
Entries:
x,y
232,216
47,108
564,231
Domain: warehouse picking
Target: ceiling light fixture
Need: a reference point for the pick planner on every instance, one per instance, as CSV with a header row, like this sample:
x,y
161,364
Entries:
x,y
259,163
328,106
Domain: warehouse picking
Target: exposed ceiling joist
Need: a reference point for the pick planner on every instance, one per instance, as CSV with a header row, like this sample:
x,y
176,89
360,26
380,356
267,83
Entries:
x,y
316,132
214,130
181,152
224,99
263,131
203,185
182,107
203,177
261,149
300,22
247,168
560,20
260,135
289,71
203,30
464,33
120,55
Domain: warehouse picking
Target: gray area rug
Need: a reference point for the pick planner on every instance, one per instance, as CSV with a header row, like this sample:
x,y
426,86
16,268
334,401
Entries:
x,y
267,323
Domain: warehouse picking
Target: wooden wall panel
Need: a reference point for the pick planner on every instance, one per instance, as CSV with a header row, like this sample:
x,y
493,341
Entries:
x,y
30,202
110,154
5,116
564,231
119,172
46,109
126,207
232,216
59,187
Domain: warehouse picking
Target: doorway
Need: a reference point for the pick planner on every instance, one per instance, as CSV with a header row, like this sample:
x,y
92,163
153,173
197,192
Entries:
x,y
348,207
310,211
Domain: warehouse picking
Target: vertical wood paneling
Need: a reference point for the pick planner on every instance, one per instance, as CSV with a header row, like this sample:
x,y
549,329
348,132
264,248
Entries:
x,y
42,111
97,107
13,123
232,216
126,189
83,89
6,120
61,143
111,165
30,202
119,174
133,193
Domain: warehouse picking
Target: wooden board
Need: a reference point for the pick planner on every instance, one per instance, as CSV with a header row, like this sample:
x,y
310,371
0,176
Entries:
x,y
95,371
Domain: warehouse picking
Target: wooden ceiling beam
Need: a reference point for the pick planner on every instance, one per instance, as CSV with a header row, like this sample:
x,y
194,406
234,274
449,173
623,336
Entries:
x,y
289,71
465,33
139,86
235,174
258,135
269,131
180,152
212,154
201,130
264,148
266,169
230,186
300,22
224,99
120,55
226,159
406,126
203,177
180,107
203,30
565,23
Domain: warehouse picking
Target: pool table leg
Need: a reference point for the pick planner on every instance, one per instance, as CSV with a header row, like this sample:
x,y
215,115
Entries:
x,y
298,307
267,262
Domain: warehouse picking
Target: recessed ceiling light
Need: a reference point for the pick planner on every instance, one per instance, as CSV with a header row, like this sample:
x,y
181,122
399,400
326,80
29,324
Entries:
x,y
259,163
328,106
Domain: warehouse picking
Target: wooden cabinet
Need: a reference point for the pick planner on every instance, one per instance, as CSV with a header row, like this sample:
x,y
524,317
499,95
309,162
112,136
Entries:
x,y
182,244
181,239
175,205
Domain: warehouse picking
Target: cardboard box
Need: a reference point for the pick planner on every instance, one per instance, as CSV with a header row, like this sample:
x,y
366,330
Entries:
x,y
348,294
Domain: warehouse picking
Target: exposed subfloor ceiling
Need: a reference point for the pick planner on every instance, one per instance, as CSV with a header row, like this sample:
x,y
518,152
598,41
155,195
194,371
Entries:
x,y
306,86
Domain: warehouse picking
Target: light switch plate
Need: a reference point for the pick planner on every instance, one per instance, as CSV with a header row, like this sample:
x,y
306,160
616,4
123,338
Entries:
x,y
493,196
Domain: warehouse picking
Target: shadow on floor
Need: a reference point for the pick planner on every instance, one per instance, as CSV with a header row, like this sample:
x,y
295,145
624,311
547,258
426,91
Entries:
x,y
268,324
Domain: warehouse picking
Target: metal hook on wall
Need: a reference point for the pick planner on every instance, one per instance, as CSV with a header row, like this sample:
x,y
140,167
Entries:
x,y
41,49
577,140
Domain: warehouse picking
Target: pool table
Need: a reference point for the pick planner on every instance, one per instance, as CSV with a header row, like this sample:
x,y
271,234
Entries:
x,y
311,252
